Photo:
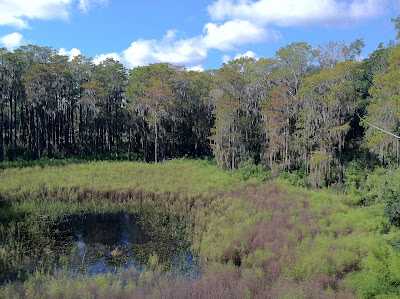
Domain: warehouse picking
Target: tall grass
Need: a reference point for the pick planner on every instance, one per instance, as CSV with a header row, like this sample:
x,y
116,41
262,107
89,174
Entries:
x,y
256,239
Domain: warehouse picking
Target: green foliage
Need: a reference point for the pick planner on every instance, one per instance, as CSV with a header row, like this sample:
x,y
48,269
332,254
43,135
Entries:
x,y
309,236
396,22
384,110
248,170
297,178
295,117
392,209
44,162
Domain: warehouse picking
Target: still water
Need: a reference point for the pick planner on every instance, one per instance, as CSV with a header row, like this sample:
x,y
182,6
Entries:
x,y
91,243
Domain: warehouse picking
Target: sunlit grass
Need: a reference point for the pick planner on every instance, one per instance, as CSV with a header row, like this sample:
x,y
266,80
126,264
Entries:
x,y
187,178
285,241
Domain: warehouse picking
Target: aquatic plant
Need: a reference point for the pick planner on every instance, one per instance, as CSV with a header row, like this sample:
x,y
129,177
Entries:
x,y
254,239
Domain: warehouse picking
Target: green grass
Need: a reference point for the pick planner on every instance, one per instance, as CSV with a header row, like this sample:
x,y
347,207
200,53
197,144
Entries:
x,y
42,163
292,241
187,178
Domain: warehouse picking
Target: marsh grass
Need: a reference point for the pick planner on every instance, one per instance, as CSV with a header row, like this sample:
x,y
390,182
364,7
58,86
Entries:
x,y
31,240
255,239
43,162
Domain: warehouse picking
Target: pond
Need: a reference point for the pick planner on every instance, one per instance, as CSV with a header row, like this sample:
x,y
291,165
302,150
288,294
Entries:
x,y
92,243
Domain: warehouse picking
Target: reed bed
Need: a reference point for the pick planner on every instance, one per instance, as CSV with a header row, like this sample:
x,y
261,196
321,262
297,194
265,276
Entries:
x,y
256,239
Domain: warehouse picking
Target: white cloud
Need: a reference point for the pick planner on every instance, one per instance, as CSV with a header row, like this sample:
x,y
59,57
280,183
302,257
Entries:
x,y
298,12
194,50
228,35
85,5
248,54
243,22
12,40
72,53
196,68
226,58
170,49
100,58
17,13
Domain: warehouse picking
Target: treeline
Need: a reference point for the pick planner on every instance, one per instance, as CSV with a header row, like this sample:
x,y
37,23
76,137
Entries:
x,y
52,106
300,110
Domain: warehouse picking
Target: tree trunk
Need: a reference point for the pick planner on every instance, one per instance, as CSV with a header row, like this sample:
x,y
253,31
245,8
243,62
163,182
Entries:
x,y
38,139
96,141
49,131
15,130
10,128
109,144
73,141
116,132
80,124
145,149
156,139
1,134
109,135
66,133
32,130
341,165
129,145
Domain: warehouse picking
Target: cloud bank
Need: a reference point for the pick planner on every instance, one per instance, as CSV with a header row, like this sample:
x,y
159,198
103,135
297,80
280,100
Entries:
x,y
234,23
12,40
17,13
173,49
243,22
284,13
72,53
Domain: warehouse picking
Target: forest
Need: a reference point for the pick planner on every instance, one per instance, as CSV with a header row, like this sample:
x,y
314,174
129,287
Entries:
x,y
302,109
269,178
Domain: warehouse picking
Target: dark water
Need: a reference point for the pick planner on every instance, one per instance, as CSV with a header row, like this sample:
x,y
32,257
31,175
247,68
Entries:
x,y
110,229
92,243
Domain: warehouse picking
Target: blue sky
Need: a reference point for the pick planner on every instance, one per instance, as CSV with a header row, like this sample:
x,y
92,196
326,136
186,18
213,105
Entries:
x,y
201,34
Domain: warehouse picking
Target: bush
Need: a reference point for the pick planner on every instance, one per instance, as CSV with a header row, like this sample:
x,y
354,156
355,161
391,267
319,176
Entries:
x,y
248,170
392,209
296,178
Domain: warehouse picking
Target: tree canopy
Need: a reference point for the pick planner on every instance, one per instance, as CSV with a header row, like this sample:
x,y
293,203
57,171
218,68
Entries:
x,y
297,110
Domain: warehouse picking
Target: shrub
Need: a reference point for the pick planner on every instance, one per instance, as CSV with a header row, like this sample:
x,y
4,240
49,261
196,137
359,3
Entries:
x,y
392,209
248,170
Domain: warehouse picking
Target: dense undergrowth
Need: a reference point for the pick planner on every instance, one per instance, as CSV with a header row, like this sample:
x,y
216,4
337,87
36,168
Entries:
x,y
255,238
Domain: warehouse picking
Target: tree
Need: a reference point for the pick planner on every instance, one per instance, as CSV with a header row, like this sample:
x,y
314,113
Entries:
x,y
295,61
328,101
356,49
82,73
156,98
13,91
145,83
49,91
384,110
278,114
233,112
330,54
191,116
113,77
396,22
2,101
93,94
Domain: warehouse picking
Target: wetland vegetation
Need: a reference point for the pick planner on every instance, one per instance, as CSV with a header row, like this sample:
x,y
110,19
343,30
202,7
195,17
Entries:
x,y
297,194
237,238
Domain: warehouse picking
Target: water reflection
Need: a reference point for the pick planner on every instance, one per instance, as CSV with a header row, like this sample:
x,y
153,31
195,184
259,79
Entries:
x,y
81,245
92,243
110,229
103,241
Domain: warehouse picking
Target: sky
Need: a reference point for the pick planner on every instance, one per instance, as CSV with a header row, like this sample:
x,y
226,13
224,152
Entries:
x,y
200,34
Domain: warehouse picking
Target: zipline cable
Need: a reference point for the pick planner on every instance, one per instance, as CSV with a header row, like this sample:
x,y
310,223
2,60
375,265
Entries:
x,y
378,127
